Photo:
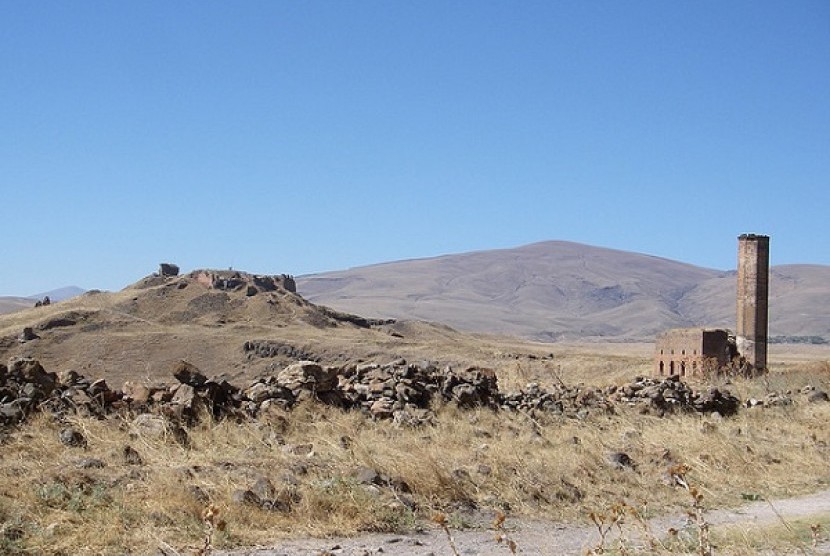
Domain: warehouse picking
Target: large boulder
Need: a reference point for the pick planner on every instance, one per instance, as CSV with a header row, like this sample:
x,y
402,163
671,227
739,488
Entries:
x,y
308,375
30,371
471,387
189,374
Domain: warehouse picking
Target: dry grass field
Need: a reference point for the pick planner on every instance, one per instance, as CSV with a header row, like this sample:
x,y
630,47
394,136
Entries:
x,y
135,486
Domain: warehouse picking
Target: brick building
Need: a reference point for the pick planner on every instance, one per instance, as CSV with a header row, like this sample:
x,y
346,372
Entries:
x,y
690,351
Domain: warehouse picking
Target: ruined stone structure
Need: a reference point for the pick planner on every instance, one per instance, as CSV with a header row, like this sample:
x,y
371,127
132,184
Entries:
x,y
168,269
753,299
689,351
229,280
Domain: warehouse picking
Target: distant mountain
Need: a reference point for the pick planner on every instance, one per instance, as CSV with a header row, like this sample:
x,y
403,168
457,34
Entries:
x,y
568,291
10,304
60,294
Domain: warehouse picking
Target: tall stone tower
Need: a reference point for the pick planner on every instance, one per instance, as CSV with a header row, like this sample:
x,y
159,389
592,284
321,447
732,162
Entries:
x,y
753,299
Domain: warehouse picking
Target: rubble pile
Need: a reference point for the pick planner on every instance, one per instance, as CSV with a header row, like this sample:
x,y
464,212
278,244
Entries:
x,y
26,387
809,393
576,401
671,394
400,391
269,349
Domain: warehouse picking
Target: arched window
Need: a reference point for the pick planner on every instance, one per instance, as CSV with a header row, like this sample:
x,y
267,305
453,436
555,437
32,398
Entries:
x,y
682,368
671,367
662,369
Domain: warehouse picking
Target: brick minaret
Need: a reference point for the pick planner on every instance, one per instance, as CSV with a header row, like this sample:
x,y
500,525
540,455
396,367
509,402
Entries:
x,y
753,299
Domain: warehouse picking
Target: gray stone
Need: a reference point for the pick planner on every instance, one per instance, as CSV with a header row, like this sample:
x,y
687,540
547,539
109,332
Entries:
x,y
131,456
184,396
621,460
263,489
817,396
189,374
28,334
153,426
245,497
71,437
90,463
366,475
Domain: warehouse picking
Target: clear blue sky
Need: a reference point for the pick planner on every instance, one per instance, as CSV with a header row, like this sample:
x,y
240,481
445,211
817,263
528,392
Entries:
x,y
301,137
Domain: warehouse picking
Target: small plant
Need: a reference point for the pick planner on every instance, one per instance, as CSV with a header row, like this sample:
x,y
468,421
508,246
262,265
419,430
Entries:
x,y
210,517
678,474
501,533
605,522
441,520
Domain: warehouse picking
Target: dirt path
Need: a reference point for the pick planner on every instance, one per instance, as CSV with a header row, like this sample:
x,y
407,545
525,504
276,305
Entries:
x,y
533,537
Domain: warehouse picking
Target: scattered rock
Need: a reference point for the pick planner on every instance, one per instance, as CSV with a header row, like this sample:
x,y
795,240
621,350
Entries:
x,y
28,335
817,396
188,374
621,460
366,476
244,497
71,437
137,394
263,488
90,463
146,424
131,456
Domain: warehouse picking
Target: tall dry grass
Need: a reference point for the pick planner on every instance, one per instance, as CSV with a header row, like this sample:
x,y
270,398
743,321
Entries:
x,y
465,466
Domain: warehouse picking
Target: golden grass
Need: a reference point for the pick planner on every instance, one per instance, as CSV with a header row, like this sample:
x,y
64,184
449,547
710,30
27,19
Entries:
x,y
796,536
468,461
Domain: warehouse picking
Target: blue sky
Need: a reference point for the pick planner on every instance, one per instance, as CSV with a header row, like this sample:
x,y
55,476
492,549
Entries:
x,y
301,137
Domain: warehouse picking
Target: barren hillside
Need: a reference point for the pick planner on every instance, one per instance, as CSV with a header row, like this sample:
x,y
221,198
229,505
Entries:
x,y
568,291
10,304
233,323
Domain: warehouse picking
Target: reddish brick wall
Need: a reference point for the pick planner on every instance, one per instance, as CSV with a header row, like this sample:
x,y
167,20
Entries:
x,y
687,351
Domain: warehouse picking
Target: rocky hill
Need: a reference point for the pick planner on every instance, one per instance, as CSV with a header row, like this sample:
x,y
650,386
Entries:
x,y
227,323
557,290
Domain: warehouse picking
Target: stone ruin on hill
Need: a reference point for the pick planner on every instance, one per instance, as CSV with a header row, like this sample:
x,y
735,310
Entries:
x,y
168,269
223,280
233,280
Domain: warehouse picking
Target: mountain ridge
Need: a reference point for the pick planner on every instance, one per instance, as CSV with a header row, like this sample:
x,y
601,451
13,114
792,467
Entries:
x,y
558,290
